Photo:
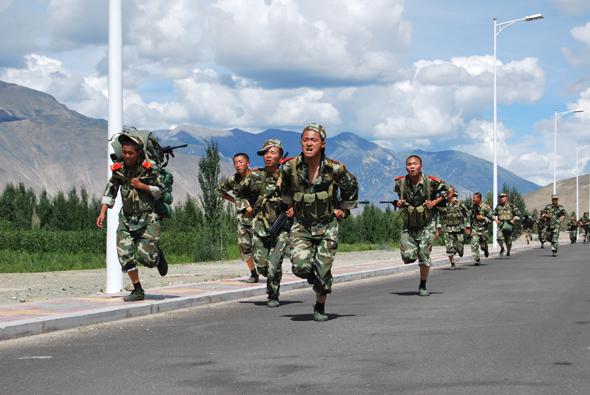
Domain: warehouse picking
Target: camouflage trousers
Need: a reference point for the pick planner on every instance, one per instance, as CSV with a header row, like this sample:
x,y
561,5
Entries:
x,y
573,235
269,262
528,235
417,244
553,238
543,234
139,246
454,242
504,237
313,249
245,240
479,240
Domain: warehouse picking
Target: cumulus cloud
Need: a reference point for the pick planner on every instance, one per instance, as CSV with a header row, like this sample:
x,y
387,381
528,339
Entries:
x,y
579,56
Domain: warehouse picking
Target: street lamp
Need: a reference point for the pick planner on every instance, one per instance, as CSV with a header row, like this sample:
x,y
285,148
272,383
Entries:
x,y
498,28
578,181
558,115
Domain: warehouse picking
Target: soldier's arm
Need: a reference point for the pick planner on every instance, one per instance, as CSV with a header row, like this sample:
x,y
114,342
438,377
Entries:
x,y
224,187
155,184
516,213
110,192
348,187
285,184
246,188
466,216
488,214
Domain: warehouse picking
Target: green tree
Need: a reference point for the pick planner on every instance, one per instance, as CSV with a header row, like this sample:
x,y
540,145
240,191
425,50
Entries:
x,y
212,203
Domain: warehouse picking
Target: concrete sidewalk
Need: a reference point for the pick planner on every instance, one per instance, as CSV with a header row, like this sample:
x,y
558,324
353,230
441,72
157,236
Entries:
x,y
34,318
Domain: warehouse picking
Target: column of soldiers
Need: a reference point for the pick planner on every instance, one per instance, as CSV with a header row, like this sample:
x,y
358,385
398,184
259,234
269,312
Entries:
x,y
292,207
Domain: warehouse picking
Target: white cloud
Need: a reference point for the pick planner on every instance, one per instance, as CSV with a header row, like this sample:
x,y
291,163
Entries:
x,y
579,56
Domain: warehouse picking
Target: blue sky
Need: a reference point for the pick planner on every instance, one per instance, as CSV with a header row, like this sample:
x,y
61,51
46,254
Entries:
x,y
406,74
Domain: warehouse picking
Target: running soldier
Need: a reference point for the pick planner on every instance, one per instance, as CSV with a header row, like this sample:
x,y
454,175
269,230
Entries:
x,y
553,214
481,217
138,233
419,196
453,221
269,248
527,228
572,228
585,226
230,185
319,192
506,214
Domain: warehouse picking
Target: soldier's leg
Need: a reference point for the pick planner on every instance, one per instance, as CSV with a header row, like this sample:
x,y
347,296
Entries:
x,y
475,240
246,243
425,238
148,245
483,242
125,249
260,255
460,243
275,268
302,252
508,241
324,257
555,239
500,240
450,248
408,246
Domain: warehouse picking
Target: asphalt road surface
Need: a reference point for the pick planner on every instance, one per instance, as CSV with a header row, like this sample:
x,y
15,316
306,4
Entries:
x,y
517,325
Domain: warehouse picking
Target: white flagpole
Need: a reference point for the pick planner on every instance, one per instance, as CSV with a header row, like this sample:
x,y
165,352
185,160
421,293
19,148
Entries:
x,y
114,276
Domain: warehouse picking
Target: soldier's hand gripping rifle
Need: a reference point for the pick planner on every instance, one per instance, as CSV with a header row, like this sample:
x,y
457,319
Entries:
x,y
392,202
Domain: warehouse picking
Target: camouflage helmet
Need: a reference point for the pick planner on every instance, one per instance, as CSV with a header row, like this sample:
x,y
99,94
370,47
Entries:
x,y
503,194
316,127
554,196
268,144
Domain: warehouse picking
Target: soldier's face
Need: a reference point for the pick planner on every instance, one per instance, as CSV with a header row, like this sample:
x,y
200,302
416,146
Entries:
x,y
131,155
476,199
311,144
555,202
504,199
451,194
413,167
241,164
272,157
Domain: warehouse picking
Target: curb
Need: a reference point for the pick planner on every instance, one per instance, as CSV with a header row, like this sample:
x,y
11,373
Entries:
x,y
41,325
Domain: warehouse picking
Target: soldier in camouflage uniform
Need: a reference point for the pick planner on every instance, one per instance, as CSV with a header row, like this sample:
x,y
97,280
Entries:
x,y
138,234
572,228
585,226
527,227
269,250
245,232
481,217
453,221
542,230
319,191
553,214
506,215
419,196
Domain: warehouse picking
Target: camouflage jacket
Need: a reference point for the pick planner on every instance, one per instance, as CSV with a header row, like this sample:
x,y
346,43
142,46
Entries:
x,y
453,217
552,214
484,209
267,206
314,203
138,206
231,184
416,215
584,221
507,212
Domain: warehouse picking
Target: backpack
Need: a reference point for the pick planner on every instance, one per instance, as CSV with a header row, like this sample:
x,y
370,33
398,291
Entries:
x,y
153,152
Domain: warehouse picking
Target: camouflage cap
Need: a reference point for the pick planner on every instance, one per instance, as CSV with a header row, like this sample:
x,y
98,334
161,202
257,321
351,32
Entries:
x,y
134,139
554,196
316,127
268,144
503,194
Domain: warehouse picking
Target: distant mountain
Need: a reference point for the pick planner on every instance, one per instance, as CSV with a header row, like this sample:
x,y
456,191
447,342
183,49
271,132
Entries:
x,y
46,145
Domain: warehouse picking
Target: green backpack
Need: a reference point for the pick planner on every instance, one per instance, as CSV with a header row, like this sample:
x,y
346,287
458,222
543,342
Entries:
x,y
155,153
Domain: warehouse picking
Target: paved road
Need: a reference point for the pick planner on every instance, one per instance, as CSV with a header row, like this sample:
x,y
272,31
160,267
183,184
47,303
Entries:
x,y
514,326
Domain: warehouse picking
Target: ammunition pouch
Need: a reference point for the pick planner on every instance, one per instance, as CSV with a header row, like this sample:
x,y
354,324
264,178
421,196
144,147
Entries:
x,y
505,216
417,217
315,206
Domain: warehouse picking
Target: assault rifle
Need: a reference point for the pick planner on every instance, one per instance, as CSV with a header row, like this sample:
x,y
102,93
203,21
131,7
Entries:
x,y
167,152
364,202
392,202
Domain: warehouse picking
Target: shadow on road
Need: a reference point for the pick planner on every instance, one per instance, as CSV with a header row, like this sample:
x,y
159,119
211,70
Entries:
x,y
309,317
263,303
412,293
452,270
160,297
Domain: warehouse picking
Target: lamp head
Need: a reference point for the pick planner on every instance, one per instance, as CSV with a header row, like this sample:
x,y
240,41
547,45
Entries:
x,y
533,17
